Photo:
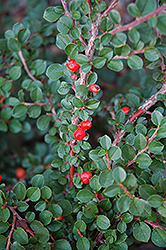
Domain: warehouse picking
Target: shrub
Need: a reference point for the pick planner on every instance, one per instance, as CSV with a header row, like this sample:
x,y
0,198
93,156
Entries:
x,y
91,127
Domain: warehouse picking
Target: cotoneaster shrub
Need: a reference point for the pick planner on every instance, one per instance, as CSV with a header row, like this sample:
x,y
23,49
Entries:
x,y
84,187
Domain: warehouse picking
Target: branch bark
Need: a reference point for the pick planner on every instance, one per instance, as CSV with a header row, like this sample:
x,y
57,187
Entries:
x,y
141,110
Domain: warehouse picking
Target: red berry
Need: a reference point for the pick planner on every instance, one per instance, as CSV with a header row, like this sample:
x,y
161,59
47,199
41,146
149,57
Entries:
x,y
94,88
0,177
79,134
85,176
73,65
86,124
20,173
73,77
60,218
125,110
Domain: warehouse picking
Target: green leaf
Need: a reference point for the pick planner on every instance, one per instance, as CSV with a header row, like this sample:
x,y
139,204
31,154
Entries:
x,y
39,66
141,231
112,190
123,203
37,180
43,122
99,62
156,117
155,147
22,206
121,227
159,237
15,73
162,209
115,16
33,193
146,7
82,59
136,206
3,241
119,39
42,234
19,110
133,10
15,126
114,153
155,200
105,142
161,24
119,174
92,104
3,126
13,44
140,141
152,54
66,207
77,102
135,62
134,35
64,88
23,35
62,245
146,190
128,152
84,195
143,160
94,183
103,222
83,244
54,71
106,52
46,192
120,116
35,41
62,40
80,225
20,235
34,111
3,227
64,24
45,217
106,178
71,50
52,14
20,191
115,65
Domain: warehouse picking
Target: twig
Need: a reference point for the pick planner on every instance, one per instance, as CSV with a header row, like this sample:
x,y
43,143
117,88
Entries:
x,y
89,3
141,110
108,161
12,229
53,109
64,3
72,167
110,7
126,191
152,224
140,152
35,103
137,21
25,66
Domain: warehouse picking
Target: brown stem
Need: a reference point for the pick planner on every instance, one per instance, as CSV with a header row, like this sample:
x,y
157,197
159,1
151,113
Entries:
x,y
25,66
126,191
35,103
64,3
72,167
12,229
137,21
110,7
140,152
152,224
108,161
90,6
141,110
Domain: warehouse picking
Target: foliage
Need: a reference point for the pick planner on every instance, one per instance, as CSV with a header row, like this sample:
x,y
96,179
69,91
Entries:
x,y
45,103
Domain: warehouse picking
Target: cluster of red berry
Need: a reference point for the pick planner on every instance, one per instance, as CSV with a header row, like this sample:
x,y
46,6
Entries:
x,y
79,134
85,176
74,66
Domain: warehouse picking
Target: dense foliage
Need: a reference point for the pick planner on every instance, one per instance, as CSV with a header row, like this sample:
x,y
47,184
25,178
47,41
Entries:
x,y
82,163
